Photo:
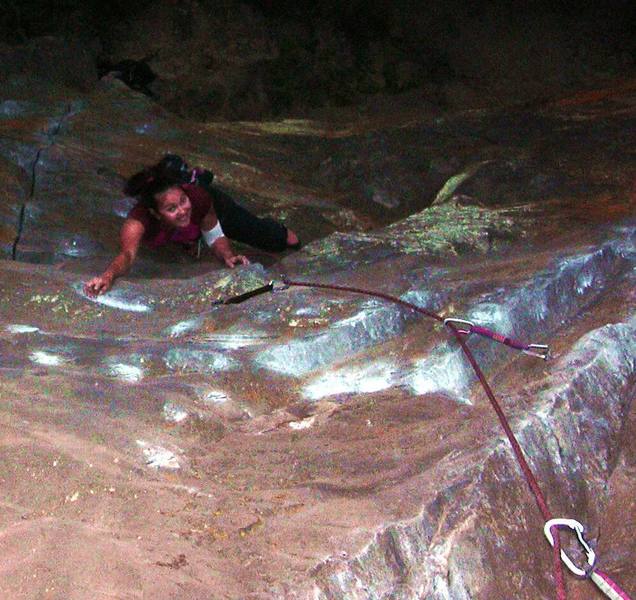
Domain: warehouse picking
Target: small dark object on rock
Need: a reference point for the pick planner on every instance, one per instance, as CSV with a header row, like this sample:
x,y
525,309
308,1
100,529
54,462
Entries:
x,y
178,166
136,74
176,563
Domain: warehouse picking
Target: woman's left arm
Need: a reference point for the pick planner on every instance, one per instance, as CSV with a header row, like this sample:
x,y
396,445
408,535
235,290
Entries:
x,y
224,252
220,245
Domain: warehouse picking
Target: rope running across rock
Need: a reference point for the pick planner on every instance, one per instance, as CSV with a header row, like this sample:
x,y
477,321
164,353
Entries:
x,y
457,328
531,480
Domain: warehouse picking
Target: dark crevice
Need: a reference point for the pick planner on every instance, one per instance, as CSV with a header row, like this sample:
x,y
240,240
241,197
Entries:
x,y
14,248
33,173
22,215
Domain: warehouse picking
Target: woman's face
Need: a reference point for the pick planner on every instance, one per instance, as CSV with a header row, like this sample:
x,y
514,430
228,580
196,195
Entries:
x,y
174,207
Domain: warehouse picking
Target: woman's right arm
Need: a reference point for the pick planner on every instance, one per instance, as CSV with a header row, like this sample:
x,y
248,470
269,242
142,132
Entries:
x,y
132,232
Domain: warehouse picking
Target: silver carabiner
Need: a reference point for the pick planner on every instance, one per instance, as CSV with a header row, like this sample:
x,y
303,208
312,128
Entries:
x,y
578,528
461,323
538,350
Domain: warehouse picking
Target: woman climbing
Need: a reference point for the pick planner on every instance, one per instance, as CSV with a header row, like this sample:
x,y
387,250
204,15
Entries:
x,y
176,205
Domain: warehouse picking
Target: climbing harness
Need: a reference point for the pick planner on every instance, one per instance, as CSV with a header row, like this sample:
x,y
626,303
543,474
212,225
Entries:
x,y
461,329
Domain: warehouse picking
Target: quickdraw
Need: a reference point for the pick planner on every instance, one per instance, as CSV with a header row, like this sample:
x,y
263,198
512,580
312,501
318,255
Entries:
x,y
468,327
461,329
268,287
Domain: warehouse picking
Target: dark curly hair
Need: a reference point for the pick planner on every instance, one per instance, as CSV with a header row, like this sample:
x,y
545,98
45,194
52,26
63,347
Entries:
x,y
145,185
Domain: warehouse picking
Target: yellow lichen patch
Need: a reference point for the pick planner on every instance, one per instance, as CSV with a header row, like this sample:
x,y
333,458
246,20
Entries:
x,y
300,127
449,188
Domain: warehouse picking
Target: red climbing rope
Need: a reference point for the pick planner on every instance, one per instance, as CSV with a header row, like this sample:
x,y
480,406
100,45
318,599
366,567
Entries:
x,y
609,587
461,329
525,468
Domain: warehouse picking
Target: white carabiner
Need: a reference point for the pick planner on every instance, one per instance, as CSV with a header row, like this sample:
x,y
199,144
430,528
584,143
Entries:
x,y
538,350
462,323
578,528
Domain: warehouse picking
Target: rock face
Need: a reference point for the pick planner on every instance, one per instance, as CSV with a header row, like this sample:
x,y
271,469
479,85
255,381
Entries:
x,y
312,443
251,59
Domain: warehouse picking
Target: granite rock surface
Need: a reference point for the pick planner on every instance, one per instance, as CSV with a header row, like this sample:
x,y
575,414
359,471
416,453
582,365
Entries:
x,y
314,443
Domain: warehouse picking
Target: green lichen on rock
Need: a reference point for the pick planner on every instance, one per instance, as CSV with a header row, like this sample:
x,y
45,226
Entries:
x,y
450,227
237,282
204,292
325,247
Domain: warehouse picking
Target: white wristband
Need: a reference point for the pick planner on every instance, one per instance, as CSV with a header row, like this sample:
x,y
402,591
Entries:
x,y
214,234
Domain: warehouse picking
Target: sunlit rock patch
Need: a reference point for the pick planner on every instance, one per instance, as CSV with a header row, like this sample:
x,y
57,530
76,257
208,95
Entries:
x,y
372,378
78,246
239,339
20,328
223,403
47,358
125,372
158,457
198,360
344,337
444,371
215,397
118,299
184,327
304,424
174,413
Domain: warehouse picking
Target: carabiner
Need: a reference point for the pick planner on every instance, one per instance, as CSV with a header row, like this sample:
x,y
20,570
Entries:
x,y
461,322
578,528
538,350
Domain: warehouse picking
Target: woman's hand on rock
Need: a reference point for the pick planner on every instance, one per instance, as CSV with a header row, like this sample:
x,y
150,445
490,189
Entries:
x,y
98,285
236,259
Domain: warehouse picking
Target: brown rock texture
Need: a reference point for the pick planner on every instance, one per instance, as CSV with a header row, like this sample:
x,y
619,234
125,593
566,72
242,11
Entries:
x,y
313,443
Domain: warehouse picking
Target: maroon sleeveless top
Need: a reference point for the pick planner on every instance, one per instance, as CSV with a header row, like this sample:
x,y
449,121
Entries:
x,y
157,234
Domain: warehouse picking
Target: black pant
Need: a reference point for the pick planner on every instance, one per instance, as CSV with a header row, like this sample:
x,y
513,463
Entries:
x,y
241,225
